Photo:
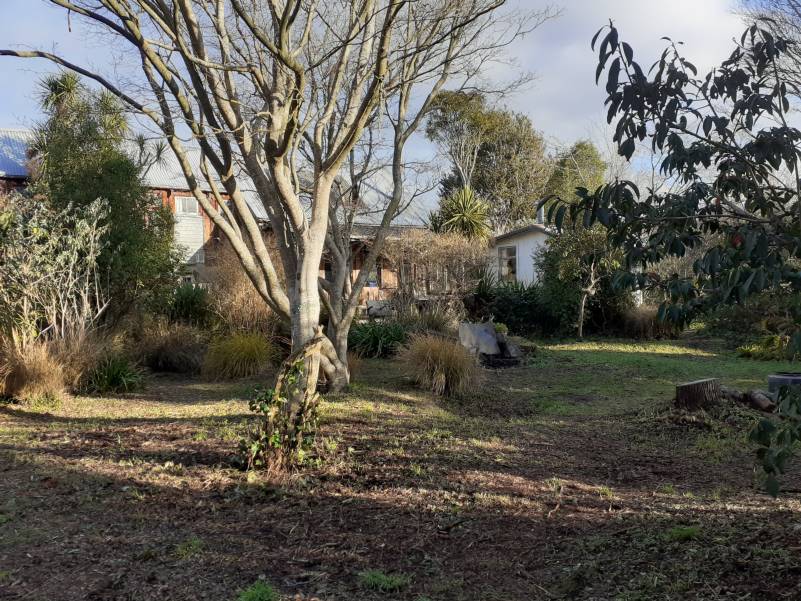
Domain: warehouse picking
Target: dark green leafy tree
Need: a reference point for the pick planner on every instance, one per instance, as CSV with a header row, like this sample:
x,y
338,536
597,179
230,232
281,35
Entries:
x,y
80,155
581,166
732,153
496,152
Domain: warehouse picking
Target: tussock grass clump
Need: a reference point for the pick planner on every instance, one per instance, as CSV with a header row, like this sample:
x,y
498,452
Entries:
x,y
240,356
377,338
441,365
115,373
175,348
31,372
643,323
437,318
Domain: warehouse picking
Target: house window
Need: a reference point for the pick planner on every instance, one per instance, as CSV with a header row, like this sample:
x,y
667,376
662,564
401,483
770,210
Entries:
x,y
186,205
374,278
507,263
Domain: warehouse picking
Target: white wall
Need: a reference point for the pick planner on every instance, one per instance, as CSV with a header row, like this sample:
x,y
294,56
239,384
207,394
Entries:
x,y
527,244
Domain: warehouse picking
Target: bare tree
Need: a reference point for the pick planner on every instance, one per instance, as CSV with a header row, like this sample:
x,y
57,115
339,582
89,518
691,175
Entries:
x,y
277,94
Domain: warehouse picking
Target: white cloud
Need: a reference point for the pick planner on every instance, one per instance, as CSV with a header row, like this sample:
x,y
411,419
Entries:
x,y
564,101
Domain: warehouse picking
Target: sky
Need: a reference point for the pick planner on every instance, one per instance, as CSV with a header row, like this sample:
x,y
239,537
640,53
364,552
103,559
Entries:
x,y
562,102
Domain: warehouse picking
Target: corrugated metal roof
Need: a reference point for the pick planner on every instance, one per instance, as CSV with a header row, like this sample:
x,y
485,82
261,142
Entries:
x,y
14,152
167,174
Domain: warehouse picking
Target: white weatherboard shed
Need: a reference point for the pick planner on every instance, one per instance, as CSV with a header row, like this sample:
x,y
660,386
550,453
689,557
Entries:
x,y
512,254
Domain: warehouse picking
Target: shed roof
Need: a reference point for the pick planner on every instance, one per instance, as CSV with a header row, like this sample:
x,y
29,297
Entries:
x,y
531,228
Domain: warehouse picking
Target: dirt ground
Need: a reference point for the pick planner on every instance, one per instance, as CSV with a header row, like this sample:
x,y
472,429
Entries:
x,y
567,478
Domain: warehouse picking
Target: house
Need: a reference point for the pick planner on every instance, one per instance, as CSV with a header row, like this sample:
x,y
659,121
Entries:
x,y
512,254
194,230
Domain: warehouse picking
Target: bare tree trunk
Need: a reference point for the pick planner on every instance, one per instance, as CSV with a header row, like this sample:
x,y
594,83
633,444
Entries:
x,y
582,310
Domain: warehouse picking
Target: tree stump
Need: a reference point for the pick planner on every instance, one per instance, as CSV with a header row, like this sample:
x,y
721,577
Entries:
x,y
700,394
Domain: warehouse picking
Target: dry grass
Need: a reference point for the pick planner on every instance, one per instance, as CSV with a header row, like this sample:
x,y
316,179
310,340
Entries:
x,y
176,348
234,299
240,356
30,371
440,365
643,323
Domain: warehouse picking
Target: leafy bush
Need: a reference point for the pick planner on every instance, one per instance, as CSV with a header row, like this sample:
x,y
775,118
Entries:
x,y
643,323
377,338
518,306
770,348
259,591
114,374
239,356
30,372
760,315
443,366
190,304
174,348
376,580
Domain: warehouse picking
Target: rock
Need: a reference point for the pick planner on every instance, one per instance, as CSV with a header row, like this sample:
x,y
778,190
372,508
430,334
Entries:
x,y
379,308
479,338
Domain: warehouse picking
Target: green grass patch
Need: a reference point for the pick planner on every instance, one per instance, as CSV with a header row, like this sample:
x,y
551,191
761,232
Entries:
x,y
189,548
259,591
680,534
376,580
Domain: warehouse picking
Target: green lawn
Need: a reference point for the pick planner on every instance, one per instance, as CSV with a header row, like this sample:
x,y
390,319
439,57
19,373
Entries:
x,y
568,477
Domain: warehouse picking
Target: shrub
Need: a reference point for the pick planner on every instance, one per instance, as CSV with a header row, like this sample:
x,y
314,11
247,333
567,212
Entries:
x,y
190,304
234,300
377,580
113,374
643,323
30,372
174,348
519,307
769,348
437,318
239,356
771,312
377,338
259,591
443,366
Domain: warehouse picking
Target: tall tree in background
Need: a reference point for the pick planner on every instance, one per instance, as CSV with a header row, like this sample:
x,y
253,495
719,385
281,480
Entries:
x,y
496,152
581,166
80,155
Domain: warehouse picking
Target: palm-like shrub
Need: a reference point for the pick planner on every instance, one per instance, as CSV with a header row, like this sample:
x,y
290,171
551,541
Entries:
x,y
463,212
440,365
240,356
377,338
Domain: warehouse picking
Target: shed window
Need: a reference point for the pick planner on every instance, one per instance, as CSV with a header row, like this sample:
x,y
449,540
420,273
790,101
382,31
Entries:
x,y
507,263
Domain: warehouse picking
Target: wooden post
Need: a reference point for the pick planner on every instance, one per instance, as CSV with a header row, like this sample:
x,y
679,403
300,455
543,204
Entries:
x,y
700,394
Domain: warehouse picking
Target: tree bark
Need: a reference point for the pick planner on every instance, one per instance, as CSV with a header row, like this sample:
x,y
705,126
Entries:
x,y
701,394
582,310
